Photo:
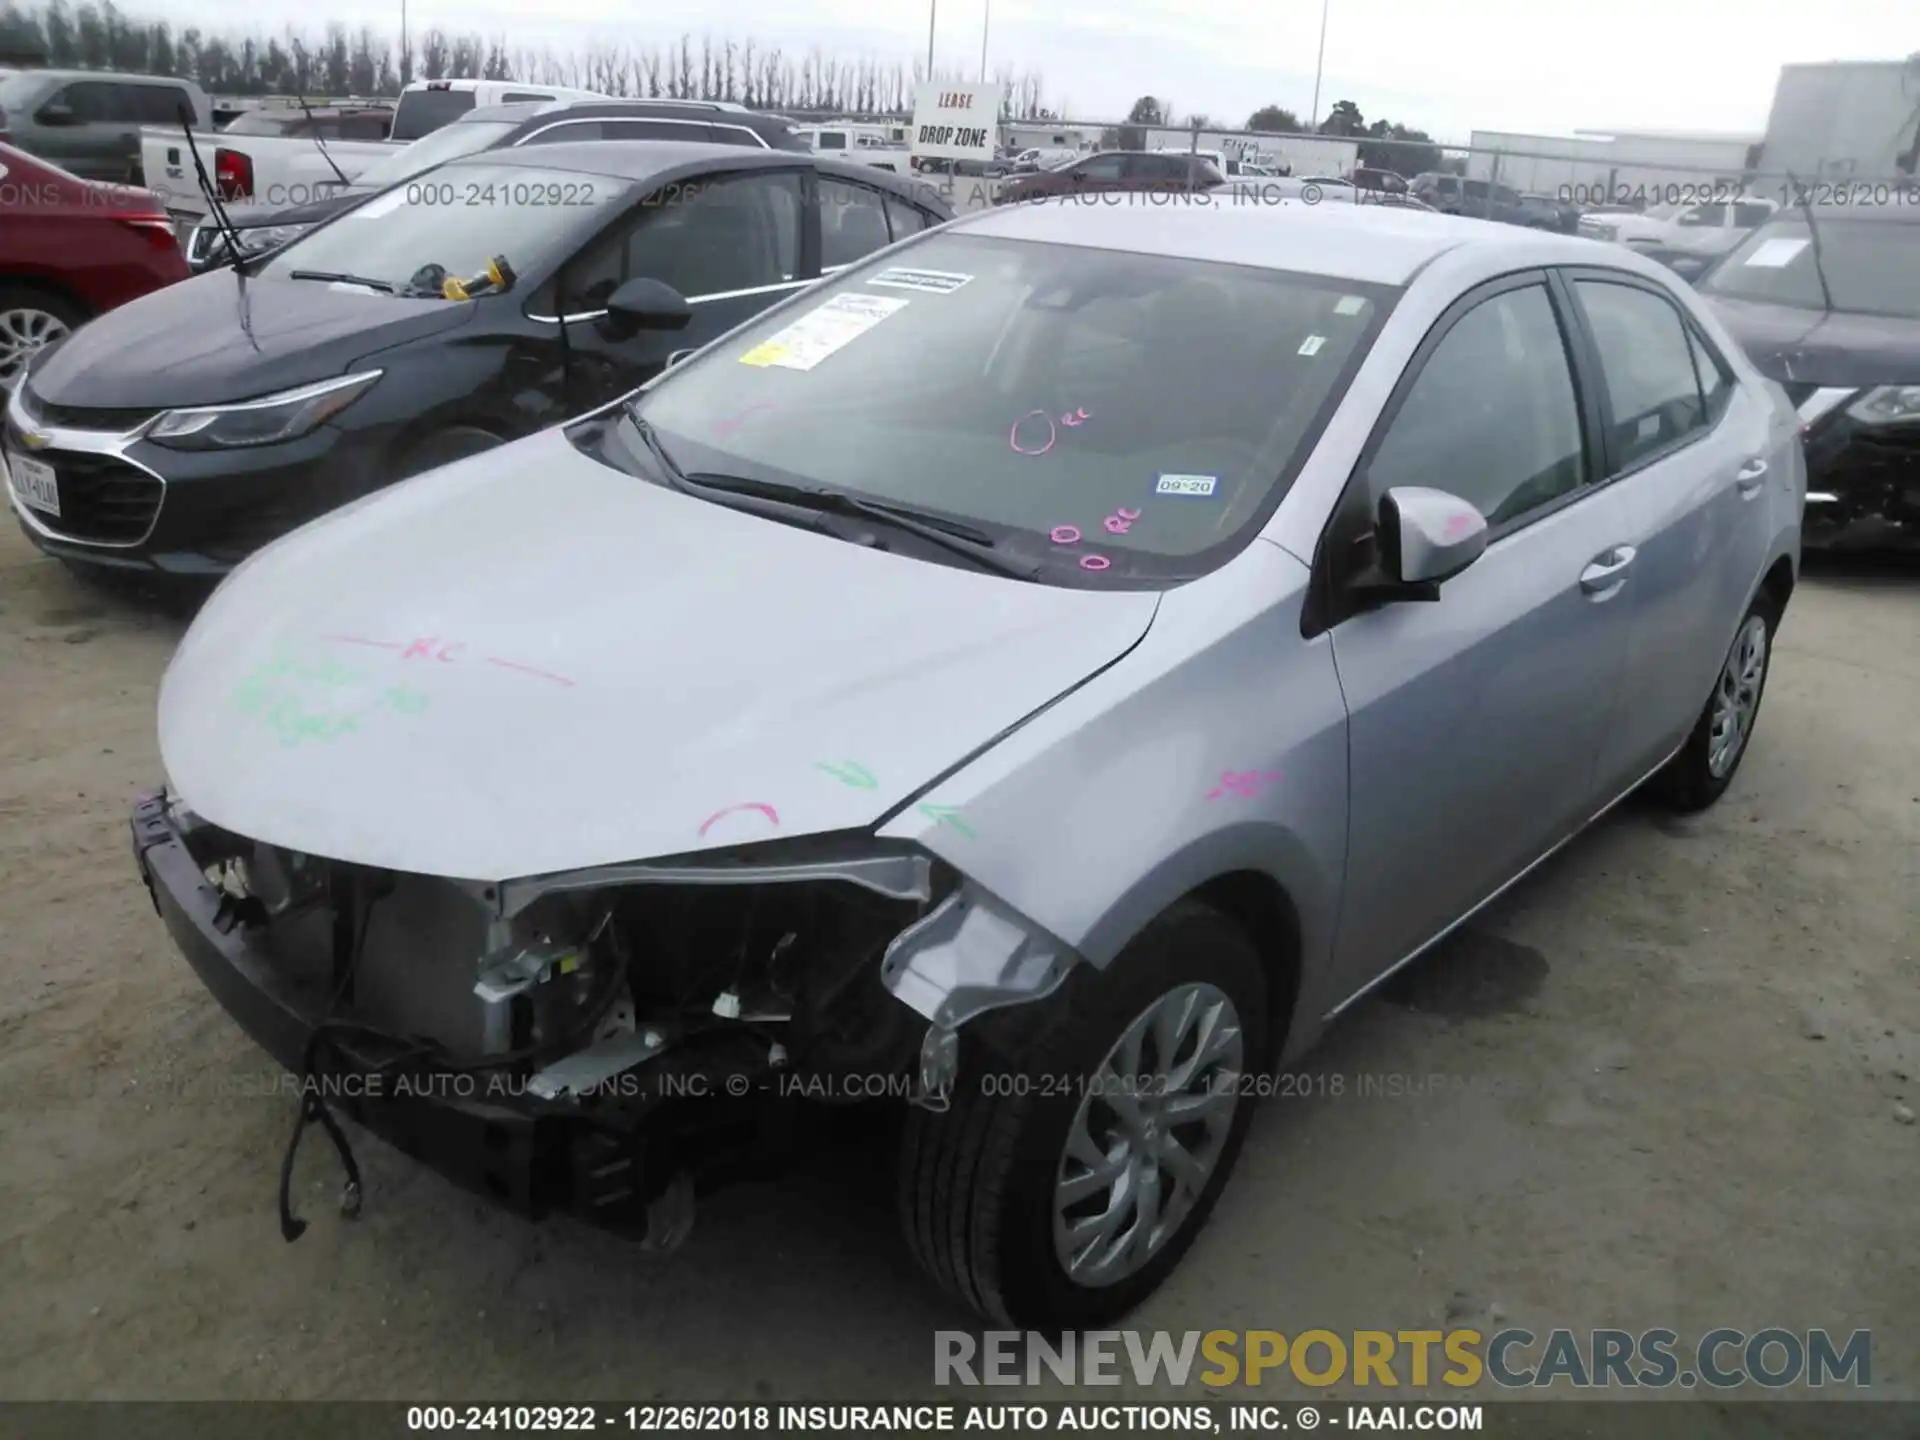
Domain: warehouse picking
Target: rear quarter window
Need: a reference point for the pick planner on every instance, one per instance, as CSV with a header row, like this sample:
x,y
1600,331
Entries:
x,y
421,112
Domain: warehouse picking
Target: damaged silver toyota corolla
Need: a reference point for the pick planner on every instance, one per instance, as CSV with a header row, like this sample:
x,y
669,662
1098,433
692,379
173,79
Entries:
x,y
1033,676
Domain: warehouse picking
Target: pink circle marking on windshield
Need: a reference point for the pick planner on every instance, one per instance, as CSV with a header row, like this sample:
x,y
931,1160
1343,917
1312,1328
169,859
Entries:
x,y
1065,535
1013,435
1094,562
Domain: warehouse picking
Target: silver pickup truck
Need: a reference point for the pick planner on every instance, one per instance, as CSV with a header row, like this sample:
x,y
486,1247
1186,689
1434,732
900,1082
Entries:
x,y
292,156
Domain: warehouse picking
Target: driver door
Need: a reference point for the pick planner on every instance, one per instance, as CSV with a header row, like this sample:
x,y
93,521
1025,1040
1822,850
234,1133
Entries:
x,y
730,244
1476,721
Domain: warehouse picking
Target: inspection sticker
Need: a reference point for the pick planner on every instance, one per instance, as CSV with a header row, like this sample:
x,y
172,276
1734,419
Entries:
x,y
1776,253
819,333
1186,485
1311,345
1350,305
930,282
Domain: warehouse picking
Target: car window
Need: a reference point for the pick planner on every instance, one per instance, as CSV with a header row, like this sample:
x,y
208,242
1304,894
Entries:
x,y
407,231
1870,263
656,130
701,237
1477,189
1647,358
1747,215
1716,383
1709,214
904,219
158,104
1102,167
853,222
466,137
724,134
518,97
832,140
364,127
421,112
1491,417
1031,385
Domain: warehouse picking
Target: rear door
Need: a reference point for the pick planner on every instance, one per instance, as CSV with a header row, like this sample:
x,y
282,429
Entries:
x,y
1686,450
730,244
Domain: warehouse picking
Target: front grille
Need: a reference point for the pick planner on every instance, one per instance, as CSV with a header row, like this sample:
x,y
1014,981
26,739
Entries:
x,y
102,499
83,417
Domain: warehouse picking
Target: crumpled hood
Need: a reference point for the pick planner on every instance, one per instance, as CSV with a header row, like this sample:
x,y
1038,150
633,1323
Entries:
x,y
1791,344
529,662
215,338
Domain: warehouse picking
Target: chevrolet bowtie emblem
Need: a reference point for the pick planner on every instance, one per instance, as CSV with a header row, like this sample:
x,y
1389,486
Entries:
x,y
35,439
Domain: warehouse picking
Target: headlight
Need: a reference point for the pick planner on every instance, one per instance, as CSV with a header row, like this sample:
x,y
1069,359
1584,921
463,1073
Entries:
x,y
259,422
263,238
1887,405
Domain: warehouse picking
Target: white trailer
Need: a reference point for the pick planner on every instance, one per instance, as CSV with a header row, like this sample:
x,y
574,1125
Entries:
x,y
1845,118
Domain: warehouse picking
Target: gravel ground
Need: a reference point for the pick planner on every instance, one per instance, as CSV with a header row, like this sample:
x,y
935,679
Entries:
x,y
1682,1067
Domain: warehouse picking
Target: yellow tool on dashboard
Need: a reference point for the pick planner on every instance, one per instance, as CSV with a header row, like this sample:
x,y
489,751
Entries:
x,y
496,277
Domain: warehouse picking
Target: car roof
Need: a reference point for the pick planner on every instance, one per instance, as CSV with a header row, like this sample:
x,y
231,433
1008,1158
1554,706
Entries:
x,y
1381,244
714,111
640,160
67,76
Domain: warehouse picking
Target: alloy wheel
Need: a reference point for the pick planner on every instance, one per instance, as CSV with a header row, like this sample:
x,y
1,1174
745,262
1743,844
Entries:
x,y
1149,1131
23,333
1737,697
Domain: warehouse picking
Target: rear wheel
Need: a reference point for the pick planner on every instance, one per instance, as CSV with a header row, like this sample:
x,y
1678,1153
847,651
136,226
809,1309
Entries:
x,y
30,320
1705,765
1063,1185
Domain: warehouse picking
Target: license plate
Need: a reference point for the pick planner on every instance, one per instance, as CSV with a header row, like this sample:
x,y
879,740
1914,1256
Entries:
x,y
34,483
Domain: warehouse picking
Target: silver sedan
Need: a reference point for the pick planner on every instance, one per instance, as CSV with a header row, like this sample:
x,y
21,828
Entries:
x,y
1042,674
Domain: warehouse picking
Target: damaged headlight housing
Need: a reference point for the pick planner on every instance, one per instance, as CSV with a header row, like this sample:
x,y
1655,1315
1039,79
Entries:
x,y
265,421
1887,405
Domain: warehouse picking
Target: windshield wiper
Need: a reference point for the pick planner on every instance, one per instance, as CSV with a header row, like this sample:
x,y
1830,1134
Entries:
x,y
954,536
340,279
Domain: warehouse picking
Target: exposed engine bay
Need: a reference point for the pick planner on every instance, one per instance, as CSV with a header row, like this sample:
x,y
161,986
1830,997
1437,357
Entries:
x,y
605,1042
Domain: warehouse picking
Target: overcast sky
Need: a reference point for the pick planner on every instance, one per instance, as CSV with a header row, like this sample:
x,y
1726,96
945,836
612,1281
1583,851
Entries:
x,y
1517,65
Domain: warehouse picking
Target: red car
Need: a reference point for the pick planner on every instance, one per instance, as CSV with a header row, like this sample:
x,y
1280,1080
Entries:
x,y
70,249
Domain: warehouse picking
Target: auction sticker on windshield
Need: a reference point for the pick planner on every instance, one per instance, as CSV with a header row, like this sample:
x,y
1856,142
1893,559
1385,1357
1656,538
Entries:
x,y
1776,253
819,333
930,282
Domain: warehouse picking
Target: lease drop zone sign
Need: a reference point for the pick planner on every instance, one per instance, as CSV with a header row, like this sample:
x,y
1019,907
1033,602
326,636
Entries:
x,y
956,122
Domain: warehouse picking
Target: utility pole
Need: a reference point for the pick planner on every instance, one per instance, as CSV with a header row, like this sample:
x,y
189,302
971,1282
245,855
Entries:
x,y
986,18
933,9
1314,123
406,55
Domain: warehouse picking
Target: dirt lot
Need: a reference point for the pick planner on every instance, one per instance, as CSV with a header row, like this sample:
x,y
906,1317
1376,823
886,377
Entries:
x,y
1681,1066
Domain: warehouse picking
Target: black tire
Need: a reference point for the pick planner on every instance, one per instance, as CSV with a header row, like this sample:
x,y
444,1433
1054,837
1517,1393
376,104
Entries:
x,y
976,1188
443,447
1688,782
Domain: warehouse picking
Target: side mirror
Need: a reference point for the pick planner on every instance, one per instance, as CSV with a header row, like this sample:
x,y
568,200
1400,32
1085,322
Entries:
x,y
1422,538
645,304
55,112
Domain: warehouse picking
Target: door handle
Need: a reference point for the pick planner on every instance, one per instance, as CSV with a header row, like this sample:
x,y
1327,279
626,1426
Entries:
x,y
1608,570
1751,475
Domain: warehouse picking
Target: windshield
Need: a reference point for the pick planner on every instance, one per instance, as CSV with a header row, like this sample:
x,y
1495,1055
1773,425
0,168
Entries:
x,y
1107,415
465,137
457,218
1872,266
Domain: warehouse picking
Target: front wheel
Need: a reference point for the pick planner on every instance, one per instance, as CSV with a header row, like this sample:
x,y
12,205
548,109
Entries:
x,y
1704,767
1064,1184
30,320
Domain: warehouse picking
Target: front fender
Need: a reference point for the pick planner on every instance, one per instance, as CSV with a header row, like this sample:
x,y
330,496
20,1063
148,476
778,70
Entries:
x,y
1216,746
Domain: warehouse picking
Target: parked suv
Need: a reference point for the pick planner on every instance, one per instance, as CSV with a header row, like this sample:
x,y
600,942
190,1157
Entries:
x,y
1118,171
1480,199
88,121
499,127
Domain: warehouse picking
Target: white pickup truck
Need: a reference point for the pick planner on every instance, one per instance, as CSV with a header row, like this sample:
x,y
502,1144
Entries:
x,y
291,169
861,144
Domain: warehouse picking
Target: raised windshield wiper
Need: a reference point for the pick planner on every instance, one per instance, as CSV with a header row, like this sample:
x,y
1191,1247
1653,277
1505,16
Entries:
x,y
340,279
954,536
